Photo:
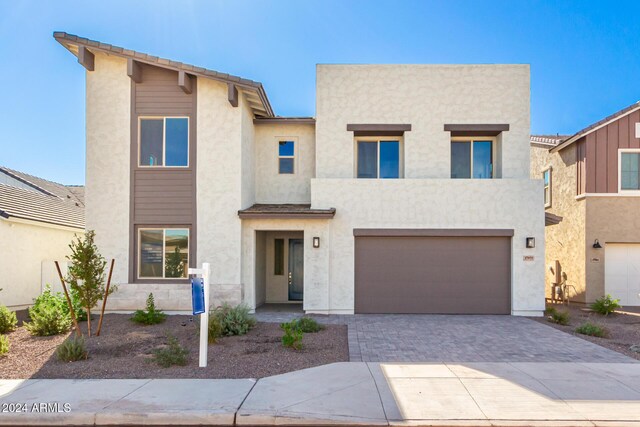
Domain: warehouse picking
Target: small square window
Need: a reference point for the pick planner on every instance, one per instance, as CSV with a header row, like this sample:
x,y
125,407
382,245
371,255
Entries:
x,y
286,157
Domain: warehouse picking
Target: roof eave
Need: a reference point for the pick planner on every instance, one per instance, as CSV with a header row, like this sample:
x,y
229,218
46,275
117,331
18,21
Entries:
x,y
67,40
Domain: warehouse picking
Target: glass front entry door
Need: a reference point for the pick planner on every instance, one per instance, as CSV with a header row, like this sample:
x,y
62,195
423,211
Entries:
x,y
296,269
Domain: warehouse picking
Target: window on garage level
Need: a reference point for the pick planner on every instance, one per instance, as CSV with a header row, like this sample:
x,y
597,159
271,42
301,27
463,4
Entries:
x,y
163,253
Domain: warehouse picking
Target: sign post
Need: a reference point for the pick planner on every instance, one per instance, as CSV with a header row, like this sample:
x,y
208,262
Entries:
x,y
200,301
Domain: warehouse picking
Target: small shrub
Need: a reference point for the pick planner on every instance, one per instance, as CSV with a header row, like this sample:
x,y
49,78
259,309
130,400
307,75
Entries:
x,y
592,330
559,317
72,350
4,345
292,337
8,320
605,305
234,320
215,328
151,315
549,311
49,315
173,354
308,325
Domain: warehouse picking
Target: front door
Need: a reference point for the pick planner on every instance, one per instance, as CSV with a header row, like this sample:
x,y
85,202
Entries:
x,y
296,269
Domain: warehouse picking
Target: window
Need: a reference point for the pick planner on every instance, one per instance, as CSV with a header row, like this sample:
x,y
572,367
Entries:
x,y
163,253
472,158
629,175
286,157
278,257
546,176
378,159
164,141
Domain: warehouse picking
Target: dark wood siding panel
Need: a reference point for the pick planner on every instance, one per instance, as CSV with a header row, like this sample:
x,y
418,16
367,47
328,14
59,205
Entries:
x,y
633,119
581,151
623,132
590,162
152,202
601,160
601,155
612,157
159,93
162,197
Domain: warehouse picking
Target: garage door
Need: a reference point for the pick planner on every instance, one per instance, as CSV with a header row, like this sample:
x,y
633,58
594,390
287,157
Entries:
x,y
622,273
432,274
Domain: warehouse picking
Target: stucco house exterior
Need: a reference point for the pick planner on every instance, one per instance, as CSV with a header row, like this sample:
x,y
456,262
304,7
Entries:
x,y
38,221
592,200
409,192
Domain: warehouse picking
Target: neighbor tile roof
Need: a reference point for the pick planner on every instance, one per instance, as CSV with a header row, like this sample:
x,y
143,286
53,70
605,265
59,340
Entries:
x,y
45,201
547,140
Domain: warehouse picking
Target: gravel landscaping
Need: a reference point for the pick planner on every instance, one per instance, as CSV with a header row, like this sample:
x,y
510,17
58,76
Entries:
x,y
124,350
623,329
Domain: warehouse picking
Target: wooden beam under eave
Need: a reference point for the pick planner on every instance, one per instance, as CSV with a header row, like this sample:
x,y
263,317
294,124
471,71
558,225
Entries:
x,y
184,81
134,70
232,94
86,58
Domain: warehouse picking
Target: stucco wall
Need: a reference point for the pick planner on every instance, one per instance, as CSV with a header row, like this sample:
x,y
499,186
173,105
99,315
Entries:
x,y
27,246
108,124
220,192
610,219
271,187
427,97
248,142
436,203
565,241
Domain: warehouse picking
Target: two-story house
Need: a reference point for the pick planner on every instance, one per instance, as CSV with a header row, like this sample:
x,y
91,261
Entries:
x,y
409,192
592,202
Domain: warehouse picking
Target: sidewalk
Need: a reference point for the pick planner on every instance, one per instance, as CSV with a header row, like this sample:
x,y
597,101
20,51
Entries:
x,y
465,394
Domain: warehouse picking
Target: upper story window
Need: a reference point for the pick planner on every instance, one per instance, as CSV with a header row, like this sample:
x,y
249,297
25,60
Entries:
x,y
378,158
163,253
286,157
629,173
472,157
164,142
546,177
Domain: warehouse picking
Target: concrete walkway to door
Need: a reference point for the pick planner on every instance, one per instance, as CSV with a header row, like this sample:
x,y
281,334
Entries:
x,y
458,338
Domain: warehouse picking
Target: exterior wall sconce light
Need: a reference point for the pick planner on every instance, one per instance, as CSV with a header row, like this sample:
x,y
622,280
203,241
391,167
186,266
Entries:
x,y
316,242
596,244
531,242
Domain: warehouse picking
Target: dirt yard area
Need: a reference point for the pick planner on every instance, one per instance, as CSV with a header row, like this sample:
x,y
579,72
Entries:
x,y
623,329
124,350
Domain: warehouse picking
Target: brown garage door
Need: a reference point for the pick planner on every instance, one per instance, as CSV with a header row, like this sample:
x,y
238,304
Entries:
x,y
418,271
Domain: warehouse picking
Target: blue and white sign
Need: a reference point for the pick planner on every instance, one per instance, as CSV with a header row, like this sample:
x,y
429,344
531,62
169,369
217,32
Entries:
x,y
197,295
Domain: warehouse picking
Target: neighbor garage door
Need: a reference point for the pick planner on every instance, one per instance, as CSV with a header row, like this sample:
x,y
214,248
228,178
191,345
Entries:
x,y
622,273
433,271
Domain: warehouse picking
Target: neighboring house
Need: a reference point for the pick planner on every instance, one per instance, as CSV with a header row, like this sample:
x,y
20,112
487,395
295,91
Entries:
x,y
356,211
592,200
38,220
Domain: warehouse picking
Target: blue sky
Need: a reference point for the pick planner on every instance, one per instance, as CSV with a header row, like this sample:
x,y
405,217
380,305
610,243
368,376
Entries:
x,y
584,55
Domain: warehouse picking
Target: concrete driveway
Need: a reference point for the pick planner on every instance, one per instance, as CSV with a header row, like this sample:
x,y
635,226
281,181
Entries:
x,y
459,338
